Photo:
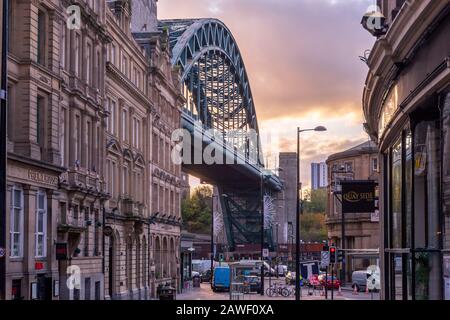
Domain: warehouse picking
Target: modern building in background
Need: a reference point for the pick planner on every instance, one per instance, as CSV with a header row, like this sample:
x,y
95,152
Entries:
x,y
361,229
319,175
406,104
90,114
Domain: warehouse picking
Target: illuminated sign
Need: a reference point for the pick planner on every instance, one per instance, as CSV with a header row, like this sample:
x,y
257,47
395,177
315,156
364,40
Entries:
x,y
358,196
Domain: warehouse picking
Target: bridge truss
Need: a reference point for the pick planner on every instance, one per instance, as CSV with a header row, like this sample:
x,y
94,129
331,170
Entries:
x,y
218,96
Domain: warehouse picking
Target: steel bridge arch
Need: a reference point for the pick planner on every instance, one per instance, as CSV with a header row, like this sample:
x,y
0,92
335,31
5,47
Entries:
x,y
192,39
211,63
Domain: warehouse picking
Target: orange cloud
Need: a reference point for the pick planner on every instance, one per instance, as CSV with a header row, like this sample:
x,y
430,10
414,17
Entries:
x,y
302,59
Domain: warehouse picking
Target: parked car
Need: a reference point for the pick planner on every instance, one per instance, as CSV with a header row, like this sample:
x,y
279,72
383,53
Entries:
x,y
359,280
330,282
205,276
252,284
221,279
314,281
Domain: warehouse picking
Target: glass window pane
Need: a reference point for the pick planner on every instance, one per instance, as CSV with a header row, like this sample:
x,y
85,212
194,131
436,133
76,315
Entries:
x,y
16,242
422,275
41,201
408,186
40,245
409,277
17,216
40,221
397,273
396,218
17,198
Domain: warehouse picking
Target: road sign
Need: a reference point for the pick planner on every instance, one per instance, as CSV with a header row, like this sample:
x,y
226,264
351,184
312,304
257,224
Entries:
x,y
265,253
325,259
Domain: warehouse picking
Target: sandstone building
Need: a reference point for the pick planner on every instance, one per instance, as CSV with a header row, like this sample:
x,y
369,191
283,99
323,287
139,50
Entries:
x,y
406,103
91,108
361,229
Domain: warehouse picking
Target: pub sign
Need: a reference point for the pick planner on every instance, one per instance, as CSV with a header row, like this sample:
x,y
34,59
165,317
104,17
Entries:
x,y
358,196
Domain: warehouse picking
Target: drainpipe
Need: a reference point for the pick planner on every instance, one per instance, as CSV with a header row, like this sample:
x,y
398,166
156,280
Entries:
x,y
3,149
103,242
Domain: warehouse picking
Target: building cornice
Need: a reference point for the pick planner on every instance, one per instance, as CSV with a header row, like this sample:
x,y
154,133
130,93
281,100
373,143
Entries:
x,y
117,75
393,51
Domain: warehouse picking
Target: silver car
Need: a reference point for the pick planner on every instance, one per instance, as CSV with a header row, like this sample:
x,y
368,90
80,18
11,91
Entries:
x,y
359,280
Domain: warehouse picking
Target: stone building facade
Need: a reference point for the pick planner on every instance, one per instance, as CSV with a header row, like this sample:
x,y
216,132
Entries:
x,y
406,103
55,150
144,209
88,106
361,229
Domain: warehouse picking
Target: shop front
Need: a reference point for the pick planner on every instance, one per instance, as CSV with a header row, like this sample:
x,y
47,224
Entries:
x,y
414,208
407,109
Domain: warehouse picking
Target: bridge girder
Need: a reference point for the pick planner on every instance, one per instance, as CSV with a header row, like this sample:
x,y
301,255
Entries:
x,y
218,96
213,72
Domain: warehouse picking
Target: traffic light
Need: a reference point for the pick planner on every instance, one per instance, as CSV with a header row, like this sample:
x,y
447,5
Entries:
x,y
333,254
340,256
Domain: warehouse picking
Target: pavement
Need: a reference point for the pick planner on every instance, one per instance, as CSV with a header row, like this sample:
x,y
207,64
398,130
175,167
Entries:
x,y
205,293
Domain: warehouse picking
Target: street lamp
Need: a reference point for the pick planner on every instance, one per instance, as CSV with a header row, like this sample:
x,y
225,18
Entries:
x,y
262,182
299,208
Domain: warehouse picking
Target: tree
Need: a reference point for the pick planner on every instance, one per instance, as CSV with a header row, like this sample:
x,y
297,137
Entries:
x,y
196,210
313,227
315,201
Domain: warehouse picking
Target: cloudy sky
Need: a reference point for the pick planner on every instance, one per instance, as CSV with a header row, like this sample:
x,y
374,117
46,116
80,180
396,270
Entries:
x,y
302,60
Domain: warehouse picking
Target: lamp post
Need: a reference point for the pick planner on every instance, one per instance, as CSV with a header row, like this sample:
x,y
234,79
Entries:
x,y
212,237
262,231
335,193
299,208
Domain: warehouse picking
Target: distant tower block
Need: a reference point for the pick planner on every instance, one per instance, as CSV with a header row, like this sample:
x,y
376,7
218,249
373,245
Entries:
x,y
144,16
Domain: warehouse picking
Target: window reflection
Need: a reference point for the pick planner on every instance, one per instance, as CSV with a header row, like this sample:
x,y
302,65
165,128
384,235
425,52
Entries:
x,y
396,215
408,186
426,204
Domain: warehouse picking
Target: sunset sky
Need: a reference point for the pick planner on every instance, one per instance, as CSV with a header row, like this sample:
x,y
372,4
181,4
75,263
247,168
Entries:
x,y
302,60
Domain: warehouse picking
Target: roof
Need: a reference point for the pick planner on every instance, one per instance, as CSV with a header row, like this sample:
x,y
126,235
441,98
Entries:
x,y
367,147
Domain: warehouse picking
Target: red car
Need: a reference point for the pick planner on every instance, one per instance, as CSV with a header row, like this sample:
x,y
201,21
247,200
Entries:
x,y
330,282
314,281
